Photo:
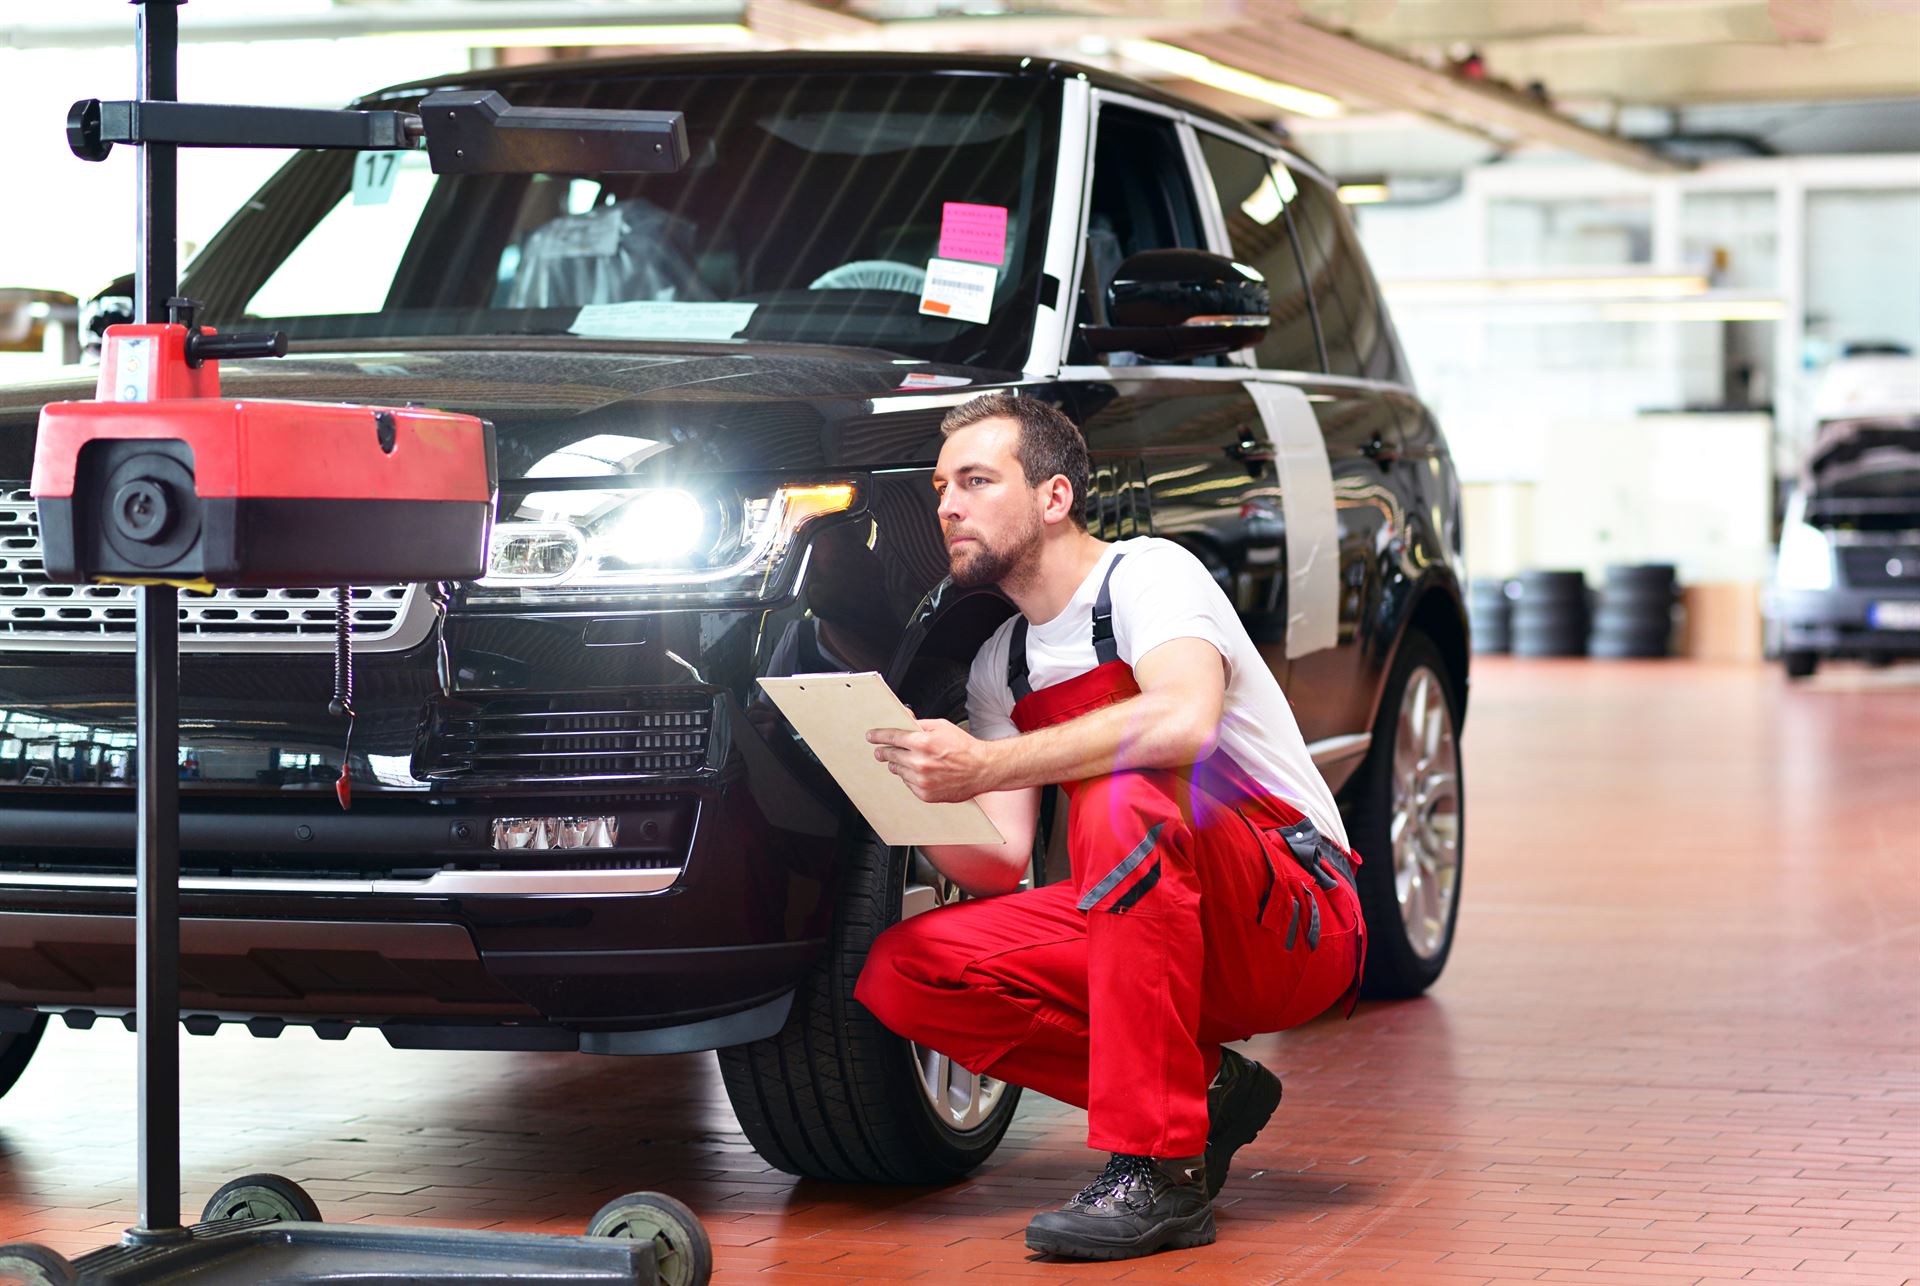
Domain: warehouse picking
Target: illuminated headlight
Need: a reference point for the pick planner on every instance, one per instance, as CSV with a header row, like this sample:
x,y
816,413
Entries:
x,y
1806,558
678,541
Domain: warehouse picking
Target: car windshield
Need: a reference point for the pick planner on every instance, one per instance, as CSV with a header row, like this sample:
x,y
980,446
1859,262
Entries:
x,y
814,209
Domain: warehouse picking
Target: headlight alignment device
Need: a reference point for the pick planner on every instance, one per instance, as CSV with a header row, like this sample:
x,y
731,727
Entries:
x,y
161,482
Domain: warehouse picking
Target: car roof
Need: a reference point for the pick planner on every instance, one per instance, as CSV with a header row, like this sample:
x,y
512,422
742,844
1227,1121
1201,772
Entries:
x,y
802,60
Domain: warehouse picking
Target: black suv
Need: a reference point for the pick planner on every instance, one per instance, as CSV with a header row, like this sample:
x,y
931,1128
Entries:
x,y
578,823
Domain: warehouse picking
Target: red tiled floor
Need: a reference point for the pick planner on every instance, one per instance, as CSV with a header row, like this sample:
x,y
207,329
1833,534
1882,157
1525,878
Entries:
x,y
1679,1042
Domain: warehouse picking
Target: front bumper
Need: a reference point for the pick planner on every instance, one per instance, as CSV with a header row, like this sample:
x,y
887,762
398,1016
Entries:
x,y
690,940
402,914
1839,622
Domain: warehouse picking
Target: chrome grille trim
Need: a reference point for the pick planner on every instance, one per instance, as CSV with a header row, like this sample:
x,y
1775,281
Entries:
x,y
439,884
37,615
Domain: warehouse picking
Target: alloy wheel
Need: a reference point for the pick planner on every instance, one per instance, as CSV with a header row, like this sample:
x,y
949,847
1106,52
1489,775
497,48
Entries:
x,y
1426,813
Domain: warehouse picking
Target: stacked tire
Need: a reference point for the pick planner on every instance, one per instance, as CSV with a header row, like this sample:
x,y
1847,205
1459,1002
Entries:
x,y
1490,612
1550,616
1635,613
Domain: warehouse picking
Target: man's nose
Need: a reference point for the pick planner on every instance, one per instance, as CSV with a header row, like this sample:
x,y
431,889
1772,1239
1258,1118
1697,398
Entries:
x,y
949,510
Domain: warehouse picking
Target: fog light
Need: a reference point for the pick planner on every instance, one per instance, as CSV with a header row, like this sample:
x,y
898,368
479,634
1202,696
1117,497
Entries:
x,y
555,832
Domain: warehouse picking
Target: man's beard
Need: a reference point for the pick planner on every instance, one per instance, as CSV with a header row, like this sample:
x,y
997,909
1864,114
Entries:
x,y
987,565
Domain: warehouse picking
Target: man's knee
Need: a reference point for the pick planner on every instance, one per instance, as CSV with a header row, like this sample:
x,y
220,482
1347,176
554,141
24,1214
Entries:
x,y
902,966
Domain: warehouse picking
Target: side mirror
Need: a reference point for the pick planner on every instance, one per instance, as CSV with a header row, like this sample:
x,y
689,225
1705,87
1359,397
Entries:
x,y
1181,303
26,315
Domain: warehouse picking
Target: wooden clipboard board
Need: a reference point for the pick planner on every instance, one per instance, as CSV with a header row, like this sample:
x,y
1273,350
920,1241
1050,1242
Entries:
x,y
832,713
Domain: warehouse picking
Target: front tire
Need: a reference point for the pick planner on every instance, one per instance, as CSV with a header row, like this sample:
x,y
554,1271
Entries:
x,y
1800,665
16,1051
834,1094
1408,824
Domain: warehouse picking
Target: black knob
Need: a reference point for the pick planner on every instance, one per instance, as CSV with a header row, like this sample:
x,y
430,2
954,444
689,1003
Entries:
x,y
83,131
202,346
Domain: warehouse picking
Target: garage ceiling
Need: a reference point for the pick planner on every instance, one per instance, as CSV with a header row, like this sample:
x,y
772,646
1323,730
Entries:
x,y
1598,77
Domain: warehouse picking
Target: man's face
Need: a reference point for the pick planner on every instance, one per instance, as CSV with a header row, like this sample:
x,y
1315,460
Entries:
x,y
990,515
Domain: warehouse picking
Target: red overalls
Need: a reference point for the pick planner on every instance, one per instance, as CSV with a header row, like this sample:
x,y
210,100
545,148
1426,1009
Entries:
x,y
1201,910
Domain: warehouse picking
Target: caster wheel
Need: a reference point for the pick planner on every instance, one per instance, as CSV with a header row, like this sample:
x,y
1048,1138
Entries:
x,y
681,1248
22,1261
261,1196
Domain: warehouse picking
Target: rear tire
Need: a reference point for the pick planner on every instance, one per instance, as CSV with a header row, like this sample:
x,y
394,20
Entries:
x,y
34,1265
1414,842
261,1196
834,1094
682,1250
16,1051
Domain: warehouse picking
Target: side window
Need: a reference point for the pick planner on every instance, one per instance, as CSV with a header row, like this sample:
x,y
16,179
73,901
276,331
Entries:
x,y
1359,341
1141,200
1254,193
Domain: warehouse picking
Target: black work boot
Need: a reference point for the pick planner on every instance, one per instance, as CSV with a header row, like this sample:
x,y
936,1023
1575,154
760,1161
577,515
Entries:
x,y
1240,1101
1135,1207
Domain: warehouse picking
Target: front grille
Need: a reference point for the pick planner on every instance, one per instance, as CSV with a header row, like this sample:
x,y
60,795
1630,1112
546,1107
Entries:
x,y
582,736
35,611
1881,566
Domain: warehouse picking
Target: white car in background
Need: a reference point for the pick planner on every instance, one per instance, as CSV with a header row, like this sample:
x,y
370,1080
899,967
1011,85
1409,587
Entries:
x,y
1847,580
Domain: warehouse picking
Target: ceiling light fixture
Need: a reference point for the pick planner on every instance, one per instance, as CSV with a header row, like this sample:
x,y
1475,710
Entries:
x,y
1200,68
1713,310
1617,286
664,33
1363,193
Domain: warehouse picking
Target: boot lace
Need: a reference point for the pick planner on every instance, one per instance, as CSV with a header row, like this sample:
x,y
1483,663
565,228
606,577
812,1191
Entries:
x,y
1123,1172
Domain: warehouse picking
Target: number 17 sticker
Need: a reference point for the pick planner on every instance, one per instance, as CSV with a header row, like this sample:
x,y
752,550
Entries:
x,y
373,176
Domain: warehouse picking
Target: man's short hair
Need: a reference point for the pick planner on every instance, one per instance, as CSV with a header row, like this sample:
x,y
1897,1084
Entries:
x,y
1050,443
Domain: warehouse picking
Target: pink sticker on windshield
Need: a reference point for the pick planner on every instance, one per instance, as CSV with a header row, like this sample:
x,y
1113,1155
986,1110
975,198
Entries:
x,y
974,232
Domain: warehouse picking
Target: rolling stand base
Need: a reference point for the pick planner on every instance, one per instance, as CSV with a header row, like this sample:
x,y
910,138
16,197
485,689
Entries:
x,y
246,1252
263,1228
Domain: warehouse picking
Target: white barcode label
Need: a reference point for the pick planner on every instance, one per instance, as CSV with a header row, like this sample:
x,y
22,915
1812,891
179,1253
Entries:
x,y
962,291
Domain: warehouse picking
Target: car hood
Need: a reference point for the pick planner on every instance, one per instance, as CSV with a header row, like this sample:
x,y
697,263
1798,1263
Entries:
x,y
564,409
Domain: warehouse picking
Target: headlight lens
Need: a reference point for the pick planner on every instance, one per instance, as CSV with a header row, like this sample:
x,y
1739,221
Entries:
x,y
1806,557
675,541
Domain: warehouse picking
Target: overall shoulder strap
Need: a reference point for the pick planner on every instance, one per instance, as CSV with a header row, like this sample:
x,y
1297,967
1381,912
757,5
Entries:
x,y
1105,649
1017,659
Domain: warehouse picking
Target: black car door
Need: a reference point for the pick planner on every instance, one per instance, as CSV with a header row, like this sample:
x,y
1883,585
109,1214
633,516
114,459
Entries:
x,y
1335,425
1183,437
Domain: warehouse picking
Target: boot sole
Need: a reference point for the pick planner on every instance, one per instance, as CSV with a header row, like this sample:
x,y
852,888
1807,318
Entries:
x,y
1174,1234
1265,1102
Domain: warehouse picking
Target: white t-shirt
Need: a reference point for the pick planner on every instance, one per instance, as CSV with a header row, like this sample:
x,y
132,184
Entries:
x,y
1162,592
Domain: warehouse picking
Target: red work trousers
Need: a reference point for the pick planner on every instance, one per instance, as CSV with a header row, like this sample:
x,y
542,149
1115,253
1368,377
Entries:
x,y
1185,925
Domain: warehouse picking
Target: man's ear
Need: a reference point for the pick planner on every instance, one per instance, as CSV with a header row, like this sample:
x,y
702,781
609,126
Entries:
x,y
1057,500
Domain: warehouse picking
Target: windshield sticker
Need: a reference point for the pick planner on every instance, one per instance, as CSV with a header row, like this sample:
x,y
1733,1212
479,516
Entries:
x,y
962,291
926,379
373,176
975,232
663,319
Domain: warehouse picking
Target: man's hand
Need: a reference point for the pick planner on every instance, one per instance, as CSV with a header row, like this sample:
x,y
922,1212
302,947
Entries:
x,y
940,762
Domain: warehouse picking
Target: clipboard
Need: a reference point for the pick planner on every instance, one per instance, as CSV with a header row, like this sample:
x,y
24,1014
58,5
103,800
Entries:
x,y
832,713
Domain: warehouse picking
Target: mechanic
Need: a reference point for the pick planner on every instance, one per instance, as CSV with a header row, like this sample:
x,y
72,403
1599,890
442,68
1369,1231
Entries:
x,y
1212,893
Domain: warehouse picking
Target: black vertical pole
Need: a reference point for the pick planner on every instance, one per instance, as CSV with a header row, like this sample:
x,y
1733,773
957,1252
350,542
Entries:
x,y
157,680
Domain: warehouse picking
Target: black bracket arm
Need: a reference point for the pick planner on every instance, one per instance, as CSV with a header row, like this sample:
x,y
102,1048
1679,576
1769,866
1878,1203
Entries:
x,y
479,132
93,127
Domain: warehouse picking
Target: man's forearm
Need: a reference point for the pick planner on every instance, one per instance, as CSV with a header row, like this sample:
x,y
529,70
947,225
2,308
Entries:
x,y
1146,731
